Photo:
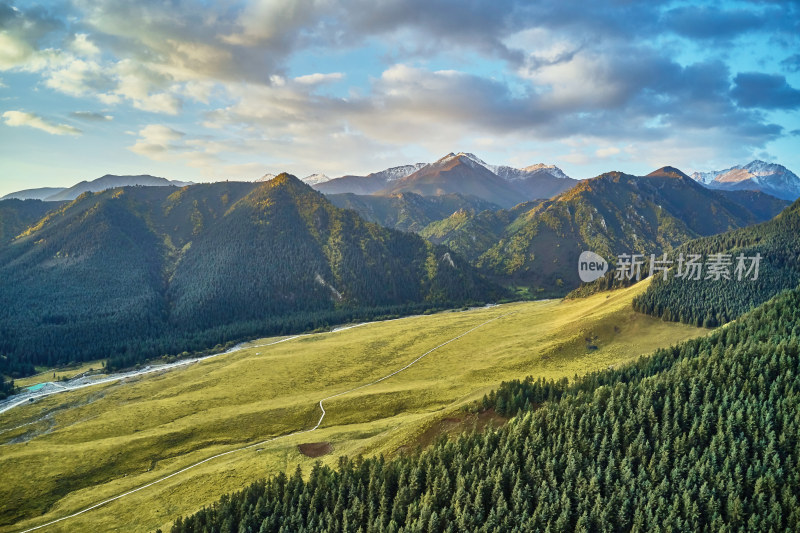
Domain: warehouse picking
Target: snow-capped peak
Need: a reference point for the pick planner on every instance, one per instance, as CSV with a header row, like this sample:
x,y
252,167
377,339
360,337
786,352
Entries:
x,y
504,171
474,158
770,178
265,177
315,179
465,157
707,177
550,169
396,173
752,171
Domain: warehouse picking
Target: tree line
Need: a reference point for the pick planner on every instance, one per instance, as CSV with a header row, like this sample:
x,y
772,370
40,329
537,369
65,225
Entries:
x,y
703,436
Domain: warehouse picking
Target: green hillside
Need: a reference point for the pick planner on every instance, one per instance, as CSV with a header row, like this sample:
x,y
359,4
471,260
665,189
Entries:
x,y
700,437
711,302
538,246
470,233
17,215
408,211
133,273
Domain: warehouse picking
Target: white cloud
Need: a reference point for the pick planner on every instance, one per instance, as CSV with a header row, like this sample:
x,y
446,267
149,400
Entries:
x,y
157,142
199,91
21,118
80,77
124,80
13,52
81,45
317,78
159,103
566,73
608,151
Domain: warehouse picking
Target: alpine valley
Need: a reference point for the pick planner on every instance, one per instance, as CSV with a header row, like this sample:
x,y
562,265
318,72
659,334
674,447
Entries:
x,y
134,280
157,267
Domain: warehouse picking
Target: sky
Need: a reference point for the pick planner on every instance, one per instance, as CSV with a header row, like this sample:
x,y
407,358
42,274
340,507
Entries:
x,y
205,91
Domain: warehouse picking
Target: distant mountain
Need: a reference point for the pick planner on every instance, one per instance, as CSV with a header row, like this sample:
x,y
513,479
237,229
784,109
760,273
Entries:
x,y
108,181
315,179
712,302
463,174
513,174
142,271
770,178
762,205
369,184
41,193
408,211
538,245
458,174
534,181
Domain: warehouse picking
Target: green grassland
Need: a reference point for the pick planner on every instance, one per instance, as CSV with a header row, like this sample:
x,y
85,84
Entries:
x,y
54,374
69,451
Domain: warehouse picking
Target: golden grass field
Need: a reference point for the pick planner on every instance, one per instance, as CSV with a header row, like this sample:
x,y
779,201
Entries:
x,y
69,451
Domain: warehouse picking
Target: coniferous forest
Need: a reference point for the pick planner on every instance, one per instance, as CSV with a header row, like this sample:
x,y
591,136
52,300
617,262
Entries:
x,y
710,302
139,272
704,436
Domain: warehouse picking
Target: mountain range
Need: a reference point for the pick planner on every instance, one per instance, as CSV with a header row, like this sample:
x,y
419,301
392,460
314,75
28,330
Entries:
x,y
466,174
148,270
757,175
369,184
109,181
537,245
137,272
461,173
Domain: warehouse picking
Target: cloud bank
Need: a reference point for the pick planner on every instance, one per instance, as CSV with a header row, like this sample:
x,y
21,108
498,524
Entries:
x,y
279,79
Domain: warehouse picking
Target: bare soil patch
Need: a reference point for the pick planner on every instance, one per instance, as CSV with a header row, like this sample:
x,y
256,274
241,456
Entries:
x,y
315,449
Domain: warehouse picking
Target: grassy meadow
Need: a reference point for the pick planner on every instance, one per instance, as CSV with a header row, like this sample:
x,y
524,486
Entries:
x,y
54,374
69,451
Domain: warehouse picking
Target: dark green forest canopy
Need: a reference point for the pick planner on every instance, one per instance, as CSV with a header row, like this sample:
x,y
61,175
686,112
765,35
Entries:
x,y
139,272
713,302
704,436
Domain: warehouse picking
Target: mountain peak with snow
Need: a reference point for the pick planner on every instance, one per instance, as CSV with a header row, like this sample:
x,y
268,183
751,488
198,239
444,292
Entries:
x,y
504,171
444,176
315,179
770,178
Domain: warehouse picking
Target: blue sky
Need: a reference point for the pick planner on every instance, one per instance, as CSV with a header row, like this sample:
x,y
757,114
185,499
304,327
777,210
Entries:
x,y
205,91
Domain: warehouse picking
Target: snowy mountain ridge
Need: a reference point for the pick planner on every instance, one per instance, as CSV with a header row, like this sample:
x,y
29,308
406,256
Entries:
x,y
771,178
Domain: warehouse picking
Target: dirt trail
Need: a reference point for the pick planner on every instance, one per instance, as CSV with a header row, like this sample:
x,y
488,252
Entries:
x,y
272,439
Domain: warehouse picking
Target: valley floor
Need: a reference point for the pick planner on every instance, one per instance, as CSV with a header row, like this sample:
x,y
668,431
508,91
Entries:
x,y
252,408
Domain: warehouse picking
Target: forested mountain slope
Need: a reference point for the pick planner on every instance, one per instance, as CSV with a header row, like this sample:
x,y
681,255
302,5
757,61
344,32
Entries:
x,y
704,436
611,214
17,215
715,301
471,233
139,272
408,211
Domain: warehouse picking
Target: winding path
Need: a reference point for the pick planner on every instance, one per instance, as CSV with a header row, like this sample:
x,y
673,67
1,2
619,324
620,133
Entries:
x,y
260,443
